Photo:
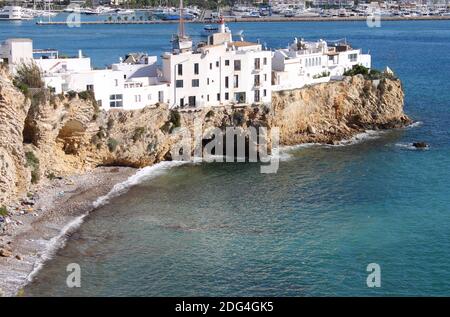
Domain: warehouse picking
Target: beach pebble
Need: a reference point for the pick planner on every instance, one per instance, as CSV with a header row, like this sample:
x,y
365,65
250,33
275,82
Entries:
x,y
5,253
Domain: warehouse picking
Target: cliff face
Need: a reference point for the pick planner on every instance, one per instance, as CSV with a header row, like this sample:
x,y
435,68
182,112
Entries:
x,y
330,112
47,136
14,176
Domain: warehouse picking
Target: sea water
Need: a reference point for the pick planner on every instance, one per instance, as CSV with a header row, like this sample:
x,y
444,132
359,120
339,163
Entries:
x,y
310,229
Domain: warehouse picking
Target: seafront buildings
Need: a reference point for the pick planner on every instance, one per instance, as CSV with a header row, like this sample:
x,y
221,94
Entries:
x,y
219,72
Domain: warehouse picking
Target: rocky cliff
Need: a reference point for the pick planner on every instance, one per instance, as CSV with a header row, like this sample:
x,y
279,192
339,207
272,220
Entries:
x,y
44,136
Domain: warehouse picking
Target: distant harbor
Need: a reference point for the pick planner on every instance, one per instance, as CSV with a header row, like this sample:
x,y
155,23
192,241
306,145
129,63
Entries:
x,y
262,19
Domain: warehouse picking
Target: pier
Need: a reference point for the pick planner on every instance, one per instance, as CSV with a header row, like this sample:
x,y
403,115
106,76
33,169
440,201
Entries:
x,y
262,20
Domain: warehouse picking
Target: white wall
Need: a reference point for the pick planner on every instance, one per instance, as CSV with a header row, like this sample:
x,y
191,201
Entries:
x,y
55,65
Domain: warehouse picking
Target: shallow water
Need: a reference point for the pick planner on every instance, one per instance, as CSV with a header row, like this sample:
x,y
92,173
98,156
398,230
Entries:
x,y
310,229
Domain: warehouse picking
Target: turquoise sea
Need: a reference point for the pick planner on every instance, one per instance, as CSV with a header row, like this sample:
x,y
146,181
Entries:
x,y
312,228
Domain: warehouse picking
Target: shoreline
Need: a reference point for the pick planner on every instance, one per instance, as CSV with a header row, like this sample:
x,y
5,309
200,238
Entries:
x,y
37,224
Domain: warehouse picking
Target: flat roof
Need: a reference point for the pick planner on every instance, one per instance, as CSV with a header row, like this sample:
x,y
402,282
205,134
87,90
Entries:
x,y
242,44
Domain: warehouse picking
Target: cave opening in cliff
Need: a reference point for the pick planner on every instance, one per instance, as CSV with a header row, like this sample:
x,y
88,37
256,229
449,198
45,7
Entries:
x,y
70,136
29,133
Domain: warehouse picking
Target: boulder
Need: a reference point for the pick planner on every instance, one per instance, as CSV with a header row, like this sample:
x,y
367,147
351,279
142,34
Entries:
x,y
5,253
420,145
311,129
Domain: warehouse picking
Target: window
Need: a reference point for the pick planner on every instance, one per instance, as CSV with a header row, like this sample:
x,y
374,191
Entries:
x,y
179,83
116,82
116,101
90,87
227,62
265,61
257,63
192,101
137,98
265,77
353,57
227,96
257,96
240,97
265,93
227,82
257,80
237,65
207,98
217,64
210,65
149,97
195,83
180,70
161,96
196,69
218,97
182,102
236,81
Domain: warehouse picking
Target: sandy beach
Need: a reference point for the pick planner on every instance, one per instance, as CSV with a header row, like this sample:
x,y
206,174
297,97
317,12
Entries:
x,y
37,225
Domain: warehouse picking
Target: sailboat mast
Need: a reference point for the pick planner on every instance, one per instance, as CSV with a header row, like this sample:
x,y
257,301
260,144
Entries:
x,y
182,33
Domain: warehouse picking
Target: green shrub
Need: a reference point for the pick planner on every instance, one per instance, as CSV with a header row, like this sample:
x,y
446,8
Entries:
x,y
28,75
210,114
321,75
138,133
357,70
33,164
110,123
112,144
3,211
71,94
32,160
175,119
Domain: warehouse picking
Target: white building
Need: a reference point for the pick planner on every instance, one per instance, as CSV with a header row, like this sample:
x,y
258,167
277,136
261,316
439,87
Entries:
x,y
219,72
16,51
305,63
222,72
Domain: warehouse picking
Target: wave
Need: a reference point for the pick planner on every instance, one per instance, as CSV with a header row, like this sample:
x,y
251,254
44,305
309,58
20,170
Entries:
x,y
360,137
54,244
50,247
142,175
284,151
415,125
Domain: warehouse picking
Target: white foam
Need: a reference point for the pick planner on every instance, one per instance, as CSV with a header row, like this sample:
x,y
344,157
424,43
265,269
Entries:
x,y
411,147
142,175
54,244
415,125
360,137
49,247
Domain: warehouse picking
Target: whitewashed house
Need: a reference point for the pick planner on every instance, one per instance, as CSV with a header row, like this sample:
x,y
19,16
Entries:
x,y
222,72
305,63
